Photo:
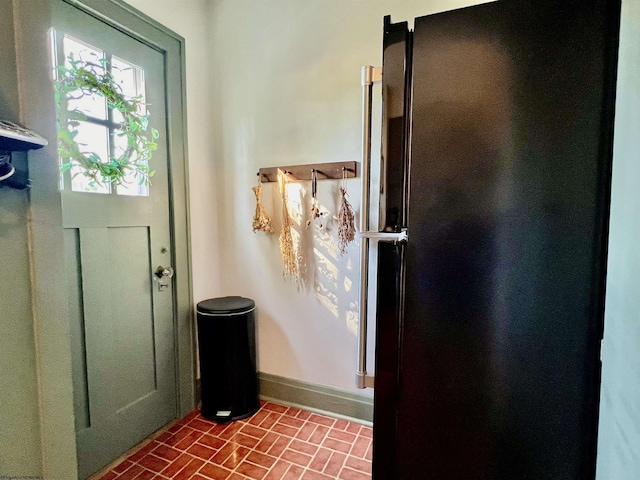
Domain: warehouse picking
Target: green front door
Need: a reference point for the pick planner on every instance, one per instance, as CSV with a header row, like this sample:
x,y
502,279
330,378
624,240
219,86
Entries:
x,y
116,237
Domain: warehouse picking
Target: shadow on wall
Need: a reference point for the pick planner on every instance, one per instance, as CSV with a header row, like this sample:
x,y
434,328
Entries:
x,y
321,269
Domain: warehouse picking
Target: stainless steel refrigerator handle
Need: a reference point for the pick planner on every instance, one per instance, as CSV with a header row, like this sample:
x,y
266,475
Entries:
x,y
370,75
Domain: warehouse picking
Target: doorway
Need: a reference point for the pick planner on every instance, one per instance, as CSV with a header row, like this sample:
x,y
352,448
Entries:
x,y
130,326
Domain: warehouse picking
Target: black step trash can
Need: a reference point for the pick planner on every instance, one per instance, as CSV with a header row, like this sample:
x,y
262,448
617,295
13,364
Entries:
x,y
227,350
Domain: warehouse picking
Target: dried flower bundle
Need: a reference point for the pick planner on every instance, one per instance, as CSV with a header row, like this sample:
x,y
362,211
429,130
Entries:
x,y
287,249
346,225
315,213
261,219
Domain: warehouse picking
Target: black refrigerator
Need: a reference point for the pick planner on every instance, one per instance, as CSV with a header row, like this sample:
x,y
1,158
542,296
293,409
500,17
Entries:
x,y
496,159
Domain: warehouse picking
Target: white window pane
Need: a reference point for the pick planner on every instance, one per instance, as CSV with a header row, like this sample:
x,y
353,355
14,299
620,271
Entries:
x,y
130,79
131,185
93,105
91,138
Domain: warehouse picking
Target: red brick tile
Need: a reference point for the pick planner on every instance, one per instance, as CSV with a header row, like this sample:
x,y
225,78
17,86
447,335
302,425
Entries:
x,y
224,453
369,454
218,428
231,430
320,460
253,431
198,424
236,458
303,414
334,465
343,436
252,471
177,465
261,459
311,475
284,430
142,452
192,467
360,447
306,431
180,435
211,441
237,476
270,421
348,474
188,440
278,470
201,451
151,462
322,420
319,435
296,457
122,466
266,443
293,411
303,447
109,476
275,407
244,440
214,471
336,445
163,437
131,473
358,464
294,473
341,424
354,427
146,475
258,417
279,445
168,453
175,428
290,421
366,432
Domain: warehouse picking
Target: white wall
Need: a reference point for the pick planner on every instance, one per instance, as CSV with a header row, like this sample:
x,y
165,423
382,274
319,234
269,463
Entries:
x,y
190,19
619,432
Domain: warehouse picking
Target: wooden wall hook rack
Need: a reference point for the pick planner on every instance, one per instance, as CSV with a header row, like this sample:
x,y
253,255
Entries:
x,y
324,171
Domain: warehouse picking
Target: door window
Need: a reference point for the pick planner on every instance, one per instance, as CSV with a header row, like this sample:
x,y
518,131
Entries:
x,y
99,128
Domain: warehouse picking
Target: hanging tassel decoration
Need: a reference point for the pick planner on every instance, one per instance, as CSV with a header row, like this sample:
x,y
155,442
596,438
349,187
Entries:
x,y
261,219
346,223
287,250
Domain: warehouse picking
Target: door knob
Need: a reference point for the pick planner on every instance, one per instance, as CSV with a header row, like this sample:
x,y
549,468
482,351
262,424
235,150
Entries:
x,y
164,272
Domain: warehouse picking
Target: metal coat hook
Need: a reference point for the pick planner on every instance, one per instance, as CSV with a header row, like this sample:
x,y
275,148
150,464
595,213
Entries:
x,y
314,183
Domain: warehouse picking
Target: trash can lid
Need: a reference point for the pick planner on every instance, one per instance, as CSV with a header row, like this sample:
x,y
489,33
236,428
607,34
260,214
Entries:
x,y
226,305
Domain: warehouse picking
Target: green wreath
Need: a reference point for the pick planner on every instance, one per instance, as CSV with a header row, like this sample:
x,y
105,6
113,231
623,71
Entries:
x,y
84,78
